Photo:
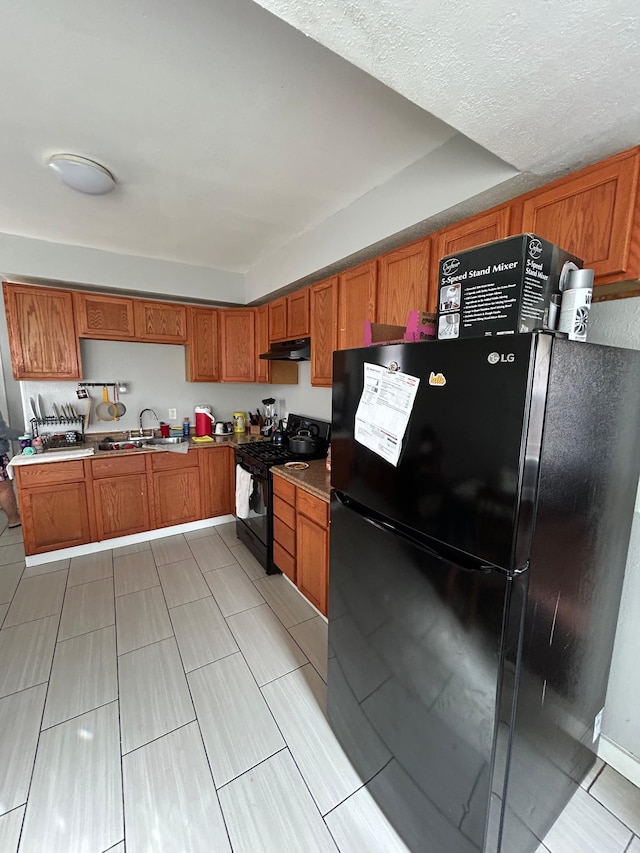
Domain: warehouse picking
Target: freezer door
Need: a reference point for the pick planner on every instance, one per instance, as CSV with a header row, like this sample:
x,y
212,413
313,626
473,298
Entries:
x,y
461,472
415,646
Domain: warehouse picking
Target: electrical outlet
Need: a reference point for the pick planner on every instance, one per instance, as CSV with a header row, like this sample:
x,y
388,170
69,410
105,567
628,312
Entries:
x,y
173,414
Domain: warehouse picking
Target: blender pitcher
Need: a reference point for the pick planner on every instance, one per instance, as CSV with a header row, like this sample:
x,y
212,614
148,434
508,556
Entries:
x,y
269,416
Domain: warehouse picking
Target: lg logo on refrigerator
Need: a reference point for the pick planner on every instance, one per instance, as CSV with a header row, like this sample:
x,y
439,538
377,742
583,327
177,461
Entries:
x,y
504,357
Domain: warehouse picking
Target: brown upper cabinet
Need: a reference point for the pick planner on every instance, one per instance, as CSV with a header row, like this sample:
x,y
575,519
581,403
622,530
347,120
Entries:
x,y
289,316
594,214
324,330
237,339
278,319
160,322
403,282
357,302
202,350
42,336
483,228
109,318
298,314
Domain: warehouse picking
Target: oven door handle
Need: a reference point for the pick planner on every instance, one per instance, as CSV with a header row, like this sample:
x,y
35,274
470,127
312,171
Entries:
x,y
254,470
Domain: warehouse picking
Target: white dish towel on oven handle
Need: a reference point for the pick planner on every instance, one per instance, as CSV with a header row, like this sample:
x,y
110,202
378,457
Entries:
x,y
243,491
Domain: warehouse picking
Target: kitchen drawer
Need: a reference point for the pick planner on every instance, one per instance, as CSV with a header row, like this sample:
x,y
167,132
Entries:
x,y
284,561
167,460
284,512
284,535
46,474
314,508
284,489
115,465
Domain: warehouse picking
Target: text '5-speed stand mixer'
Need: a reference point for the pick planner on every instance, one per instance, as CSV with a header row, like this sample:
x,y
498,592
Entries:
x,y
269,417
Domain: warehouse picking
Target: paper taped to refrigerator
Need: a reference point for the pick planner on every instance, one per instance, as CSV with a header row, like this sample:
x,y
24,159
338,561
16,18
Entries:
x,y
384,410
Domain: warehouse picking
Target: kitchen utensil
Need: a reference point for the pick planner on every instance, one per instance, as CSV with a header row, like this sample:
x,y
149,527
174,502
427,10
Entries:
x,y
304,442
105,410
34,408
87,414
41,408
120,407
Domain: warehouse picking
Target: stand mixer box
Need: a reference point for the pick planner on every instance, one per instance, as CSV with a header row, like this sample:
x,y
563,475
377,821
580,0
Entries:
x,y
502,288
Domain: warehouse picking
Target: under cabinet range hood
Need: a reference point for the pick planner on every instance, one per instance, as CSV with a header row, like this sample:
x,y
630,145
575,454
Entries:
x,y
297,350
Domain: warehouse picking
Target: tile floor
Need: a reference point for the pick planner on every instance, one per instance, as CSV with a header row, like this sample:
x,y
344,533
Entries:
x,y
169,696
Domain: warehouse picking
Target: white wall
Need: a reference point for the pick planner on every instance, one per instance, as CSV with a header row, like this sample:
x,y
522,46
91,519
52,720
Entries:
x,y
415,194
155,374
617,323
32,259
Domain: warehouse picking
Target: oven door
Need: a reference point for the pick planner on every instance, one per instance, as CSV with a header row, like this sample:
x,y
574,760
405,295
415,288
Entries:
x,y
255,529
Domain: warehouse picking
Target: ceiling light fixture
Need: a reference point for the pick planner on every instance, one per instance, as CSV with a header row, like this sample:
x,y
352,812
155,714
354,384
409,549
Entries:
x,y
82,174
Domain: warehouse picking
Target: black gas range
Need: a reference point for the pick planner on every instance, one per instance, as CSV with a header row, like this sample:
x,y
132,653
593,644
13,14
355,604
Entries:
x,y
254,525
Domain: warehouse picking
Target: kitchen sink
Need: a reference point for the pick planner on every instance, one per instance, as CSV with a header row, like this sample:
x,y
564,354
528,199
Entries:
x,y
140,443
125,444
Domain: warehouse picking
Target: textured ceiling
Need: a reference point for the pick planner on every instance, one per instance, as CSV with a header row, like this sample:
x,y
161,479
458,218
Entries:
x,y
546,86
229,131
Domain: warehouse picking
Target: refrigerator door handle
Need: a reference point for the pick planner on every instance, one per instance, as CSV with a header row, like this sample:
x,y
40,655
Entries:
x,y
469,565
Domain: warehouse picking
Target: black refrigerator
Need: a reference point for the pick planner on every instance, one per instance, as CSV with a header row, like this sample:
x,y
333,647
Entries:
x,y
477,560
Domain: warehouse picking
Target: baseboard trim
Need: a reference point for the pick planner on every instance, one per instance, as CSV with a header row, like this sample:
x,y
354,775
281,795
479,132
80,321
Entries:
x,y
121,541
624,762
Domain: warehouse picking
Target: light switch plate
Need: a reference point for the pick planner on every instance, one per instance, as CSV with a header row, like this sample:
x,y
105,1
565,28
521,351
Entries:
x,y
173,414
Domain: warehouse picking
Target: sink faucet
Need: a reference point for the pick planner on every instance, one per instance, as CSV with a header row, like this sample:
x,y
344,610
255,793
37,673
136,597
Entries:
x,y
154,415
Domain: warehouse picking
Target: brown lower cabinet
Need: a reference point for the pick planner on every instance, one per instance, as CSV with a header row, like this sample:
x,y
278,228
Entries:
x,y
301,540
217,483
176,488
53,506
89,500
120,495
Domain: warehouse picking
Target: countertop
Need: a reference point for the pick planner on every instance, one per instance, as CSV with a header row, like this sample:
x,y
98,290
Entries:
x,y
90,448
315,479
